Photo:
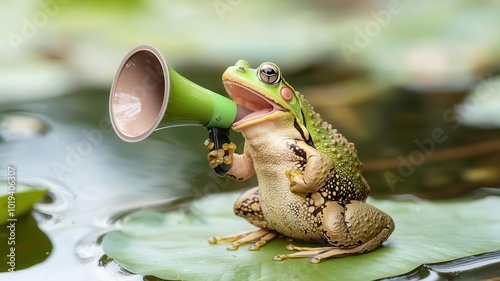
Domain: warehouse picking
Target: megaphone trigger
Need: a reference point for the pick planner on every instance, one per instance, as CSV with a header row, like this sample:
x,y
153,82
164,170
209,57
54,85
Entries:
x,y
219,136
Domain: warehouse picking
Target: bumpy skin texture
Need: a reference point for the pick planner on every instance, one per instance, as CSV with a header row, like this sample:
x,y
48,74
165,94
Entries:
x,y
310,183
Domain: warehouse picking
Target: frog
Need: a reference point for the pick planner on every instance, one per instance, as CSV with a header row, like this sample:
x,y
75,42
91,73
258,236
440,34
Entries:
x,y
310,183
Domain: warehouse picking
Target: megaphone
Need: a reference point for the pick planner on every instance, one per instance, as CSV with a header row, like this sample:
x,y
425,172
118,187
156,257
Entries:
x,y
148,95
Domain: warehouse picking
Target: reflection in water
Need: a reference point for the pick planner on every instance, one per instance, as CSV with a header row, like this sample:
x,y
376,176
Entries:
x,y
60,201
111,217
113,270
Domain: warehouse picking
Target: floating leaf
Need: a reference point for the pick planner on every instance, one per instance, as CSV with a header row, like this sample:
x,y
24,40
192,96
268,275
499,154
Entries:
x,y
174,245
22,201
24,244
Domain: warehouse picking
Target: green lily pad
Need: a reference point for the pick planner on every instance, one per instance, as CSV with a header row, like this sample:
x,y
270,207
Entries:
x,y
24,196
32,246
174,245
24,244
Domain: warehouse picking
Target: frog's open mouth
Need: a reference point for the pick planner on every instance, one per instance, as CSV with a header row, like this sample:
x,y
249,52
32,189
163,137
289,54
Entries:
x,y
251,104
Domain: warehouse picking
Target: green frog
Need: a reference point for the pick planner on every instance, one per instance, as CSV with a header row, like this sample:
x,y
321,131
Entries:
x,y
310,184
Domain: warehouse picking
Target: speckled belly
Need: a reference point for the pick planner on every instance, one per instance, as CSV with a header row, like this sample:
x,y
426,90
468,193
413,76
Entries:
x,y
288,213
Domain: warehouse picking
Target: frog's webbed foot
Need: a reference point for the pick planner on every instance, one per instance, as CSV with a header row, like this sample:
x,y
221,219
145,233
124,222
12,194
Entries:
x,y
258,237
220,156
316,253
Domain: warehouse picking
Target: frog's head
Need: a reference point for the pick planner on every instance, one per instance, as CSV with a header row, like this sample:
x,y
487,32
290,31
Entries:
x,y
261,94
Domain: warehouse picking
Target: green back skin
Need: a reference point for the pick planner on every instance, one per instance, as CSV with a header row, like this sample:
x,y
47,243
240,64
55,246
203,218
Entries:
x,y
329,141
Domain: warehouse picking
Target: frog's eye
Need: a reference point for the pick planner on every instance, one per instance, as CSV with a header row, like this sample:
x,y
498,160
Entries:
x,y
269,73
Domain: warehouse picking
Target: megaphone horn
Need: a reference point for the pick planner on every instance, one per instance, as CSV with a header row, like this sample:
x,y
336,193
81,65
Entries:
x,y
147,95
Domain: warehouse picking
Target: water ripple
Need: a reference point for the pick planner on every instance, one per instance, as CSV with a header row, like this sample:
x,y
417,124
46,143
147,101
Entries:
x,y
478,267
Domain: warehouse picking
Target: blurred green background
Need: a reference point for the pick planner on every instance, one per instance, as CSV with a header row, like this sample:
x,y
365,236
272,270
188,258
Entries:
x,y
413,83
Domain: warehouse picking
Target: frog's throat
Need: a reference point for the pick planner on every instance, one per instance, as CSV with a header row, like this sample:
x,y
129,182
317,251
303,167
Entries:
x,y
252,105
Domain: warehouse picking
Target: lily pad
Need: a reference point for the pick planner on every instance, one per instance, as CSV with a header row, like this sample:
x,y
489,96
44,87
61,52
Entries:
x,y
174,245
19,201
24,244
32,246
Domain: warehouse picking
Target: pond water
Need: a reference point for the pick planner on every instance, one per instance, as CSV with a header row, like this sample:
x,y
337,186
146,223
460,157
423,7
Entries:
x,y
95,180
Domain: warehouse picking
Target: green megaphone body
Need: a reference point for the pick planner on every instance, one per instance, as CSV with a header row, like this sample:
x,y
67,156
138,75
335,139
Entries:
x,y
147,95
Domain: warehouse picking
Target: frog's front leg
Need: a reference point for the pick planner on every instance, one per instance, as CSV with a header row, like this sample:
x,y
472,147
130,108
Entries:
x,y
314,174
241,164
248,207
352,228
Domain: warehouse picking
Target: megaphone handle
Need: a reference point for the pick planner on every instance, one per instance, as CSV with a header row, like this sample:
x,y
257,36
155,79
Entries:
x,y
219,136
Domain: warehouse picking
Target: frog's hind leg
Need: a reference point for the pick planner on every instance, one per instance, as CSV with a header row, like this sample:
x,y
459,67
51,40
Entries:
x,y
352,228
248,207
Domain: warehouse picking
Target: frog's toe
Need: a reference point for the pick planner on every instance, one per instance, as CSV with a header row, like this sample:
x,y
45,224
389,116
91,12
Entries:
x,y
259,237
209,144
216,158
297,183
230,147
215,154
227,160
294,173
214,163
316,254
